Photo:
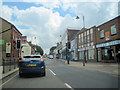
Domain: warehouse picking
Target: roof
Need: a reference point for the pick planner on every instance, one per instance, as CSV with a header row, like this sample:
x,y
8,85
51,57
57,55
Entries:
x,y
118,17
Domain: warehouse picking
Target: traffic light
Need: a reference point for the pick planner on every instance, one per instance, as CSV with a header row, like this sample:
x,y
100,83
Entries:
x,y
68,45
18,44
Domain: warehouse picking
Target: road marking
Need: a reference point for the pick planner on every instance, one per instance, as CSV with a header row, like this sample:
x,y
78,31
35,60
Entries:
x,y
68,86
52,72
8,80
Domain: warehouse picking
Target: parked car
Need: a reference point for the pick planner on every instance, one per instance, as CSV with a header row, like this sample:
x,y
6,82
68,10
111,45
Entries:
x,y
32,64
51,56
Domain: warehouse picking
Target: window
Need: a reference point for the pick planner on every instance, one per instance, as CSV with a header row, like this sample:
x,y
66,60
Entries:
x,y
79,40
85,37
81,53
91,32
88,38
113,29
102,35
91,54
91,37
107,53
82,38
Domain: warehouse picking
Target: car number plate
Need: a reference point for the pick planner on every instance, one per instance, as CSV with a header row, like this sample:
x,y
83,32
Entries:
x,y
31,65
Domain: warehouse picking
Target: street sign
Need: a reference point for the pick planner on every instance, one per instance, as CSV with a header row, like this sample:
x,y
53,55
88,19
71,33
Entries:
x,y
1,42
8,47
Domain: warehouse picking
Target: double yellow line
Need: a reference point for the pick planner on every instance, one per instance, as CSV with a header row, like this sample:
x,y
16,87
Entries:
x,y
8,81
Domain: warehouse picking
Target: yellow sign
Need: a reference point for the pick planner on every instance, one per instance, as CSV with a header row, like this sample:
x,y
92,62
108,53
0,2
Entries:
x,y
31,65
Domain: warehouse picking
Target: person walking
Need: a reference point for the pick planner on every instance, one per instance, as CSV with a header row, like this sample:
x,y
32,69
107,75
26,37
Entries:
x,y
118,57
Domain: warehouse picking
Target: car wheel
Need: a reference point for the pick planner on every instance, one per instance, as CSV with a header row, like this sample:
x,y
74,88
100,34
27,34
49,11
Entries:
x,y
20,74
44,74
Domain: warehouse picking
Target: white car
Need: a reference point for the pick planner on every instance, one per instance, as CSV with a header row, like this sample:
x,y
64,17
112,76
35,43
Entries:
x,y
51,56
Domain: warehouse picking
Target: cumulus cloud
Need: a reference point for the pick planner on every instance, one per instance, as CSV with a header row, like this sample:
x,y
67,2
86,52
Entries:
x,y
47,26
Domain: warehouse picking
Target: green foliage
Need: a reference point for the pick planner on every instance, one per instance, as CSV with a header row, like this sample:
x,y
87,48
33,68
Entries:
x,y
40,50
52,48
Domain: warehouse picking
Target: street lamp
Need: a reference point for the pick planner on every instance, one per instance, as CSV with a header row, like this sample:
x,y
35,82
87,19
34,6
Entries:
x,y
85,45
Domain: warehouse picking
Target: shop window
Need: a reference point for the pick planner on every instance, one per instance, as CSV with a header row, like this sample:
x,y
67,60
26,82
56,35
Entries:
x,y
107,53
113,29
81,55
91,54
102,35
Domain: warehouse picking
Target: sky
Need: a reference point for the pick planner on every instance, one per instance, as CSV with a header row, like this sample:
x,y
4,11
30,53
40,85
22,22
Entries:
x,y
48,19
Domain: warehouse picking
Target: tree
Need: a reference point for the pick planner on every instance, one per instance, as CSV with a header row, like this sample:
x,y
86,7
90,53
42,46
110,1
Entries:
x,y
52,48
40,50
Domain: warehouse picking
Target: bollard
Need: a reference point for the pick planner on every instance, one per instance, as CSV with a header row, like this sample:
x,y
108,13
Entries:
x,y
83,62
3,65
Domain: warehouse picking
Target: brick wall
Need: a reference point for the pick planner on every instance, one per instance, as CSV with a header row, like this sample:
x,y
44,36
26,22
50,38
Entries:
x,y
107,28
5,36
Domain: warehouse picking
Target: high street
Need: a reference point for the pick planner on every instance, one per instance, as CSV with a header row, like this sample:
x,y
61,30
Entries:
x,y
61,75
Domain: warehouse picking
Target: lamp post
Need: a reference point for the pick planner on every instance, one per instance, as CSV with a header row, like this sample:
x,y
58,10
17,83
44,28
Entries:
x,y
85,45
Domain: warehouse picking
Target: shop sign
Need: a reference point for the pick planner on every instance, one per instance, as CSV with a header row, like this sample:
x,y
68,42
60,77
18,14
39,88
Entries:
x,y
107,35
1,42
108,44
86,48
8,47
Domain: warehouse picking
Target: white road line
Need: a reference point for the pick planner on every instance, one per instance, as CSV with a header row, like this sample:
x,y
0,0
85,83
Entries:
x,y
68,86
52,72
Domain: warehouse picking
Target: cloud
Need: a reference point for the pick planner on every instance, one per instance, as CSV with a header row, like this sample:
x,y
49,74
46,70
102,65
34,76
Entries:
x,y
7,12
47,26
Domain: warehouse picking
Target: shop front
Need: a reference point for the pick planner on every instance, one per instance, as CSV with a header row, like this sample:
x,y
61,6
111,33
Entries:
x,y
87,53
109,52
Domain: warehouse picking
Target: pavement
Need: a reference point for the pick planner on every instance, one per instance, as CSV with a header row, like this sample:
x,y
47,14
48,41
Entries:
x,y
1,68
109,68
7,73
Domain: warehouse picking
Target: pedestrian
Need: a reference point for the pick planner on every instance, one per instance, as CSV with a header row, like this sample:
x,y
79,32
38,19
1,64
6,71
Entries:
x,y
118,57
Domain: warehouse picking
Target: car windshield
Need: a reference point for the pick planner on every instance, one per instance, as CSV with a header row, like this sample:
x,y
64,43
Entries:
x,y
33,58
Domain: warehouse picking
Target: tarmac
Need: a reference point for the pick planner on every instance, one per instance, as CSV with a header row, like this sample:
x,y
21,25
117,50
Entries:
x,y
109,68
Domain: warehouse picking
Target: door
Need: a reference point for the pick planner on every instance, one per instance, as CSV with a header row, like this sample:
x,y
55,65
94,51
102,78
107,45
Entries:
x,y
98,56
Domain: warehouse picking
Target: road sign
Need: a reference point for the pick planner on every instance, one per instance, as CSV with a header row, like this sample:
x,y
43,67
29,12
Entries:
x,y
8,47
1,42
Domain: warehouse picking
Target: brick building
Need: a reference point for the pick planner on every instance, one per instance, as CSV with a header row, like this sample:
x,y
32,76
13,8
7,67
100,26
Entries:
x,y
108,40
67,36
9,51
86,44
